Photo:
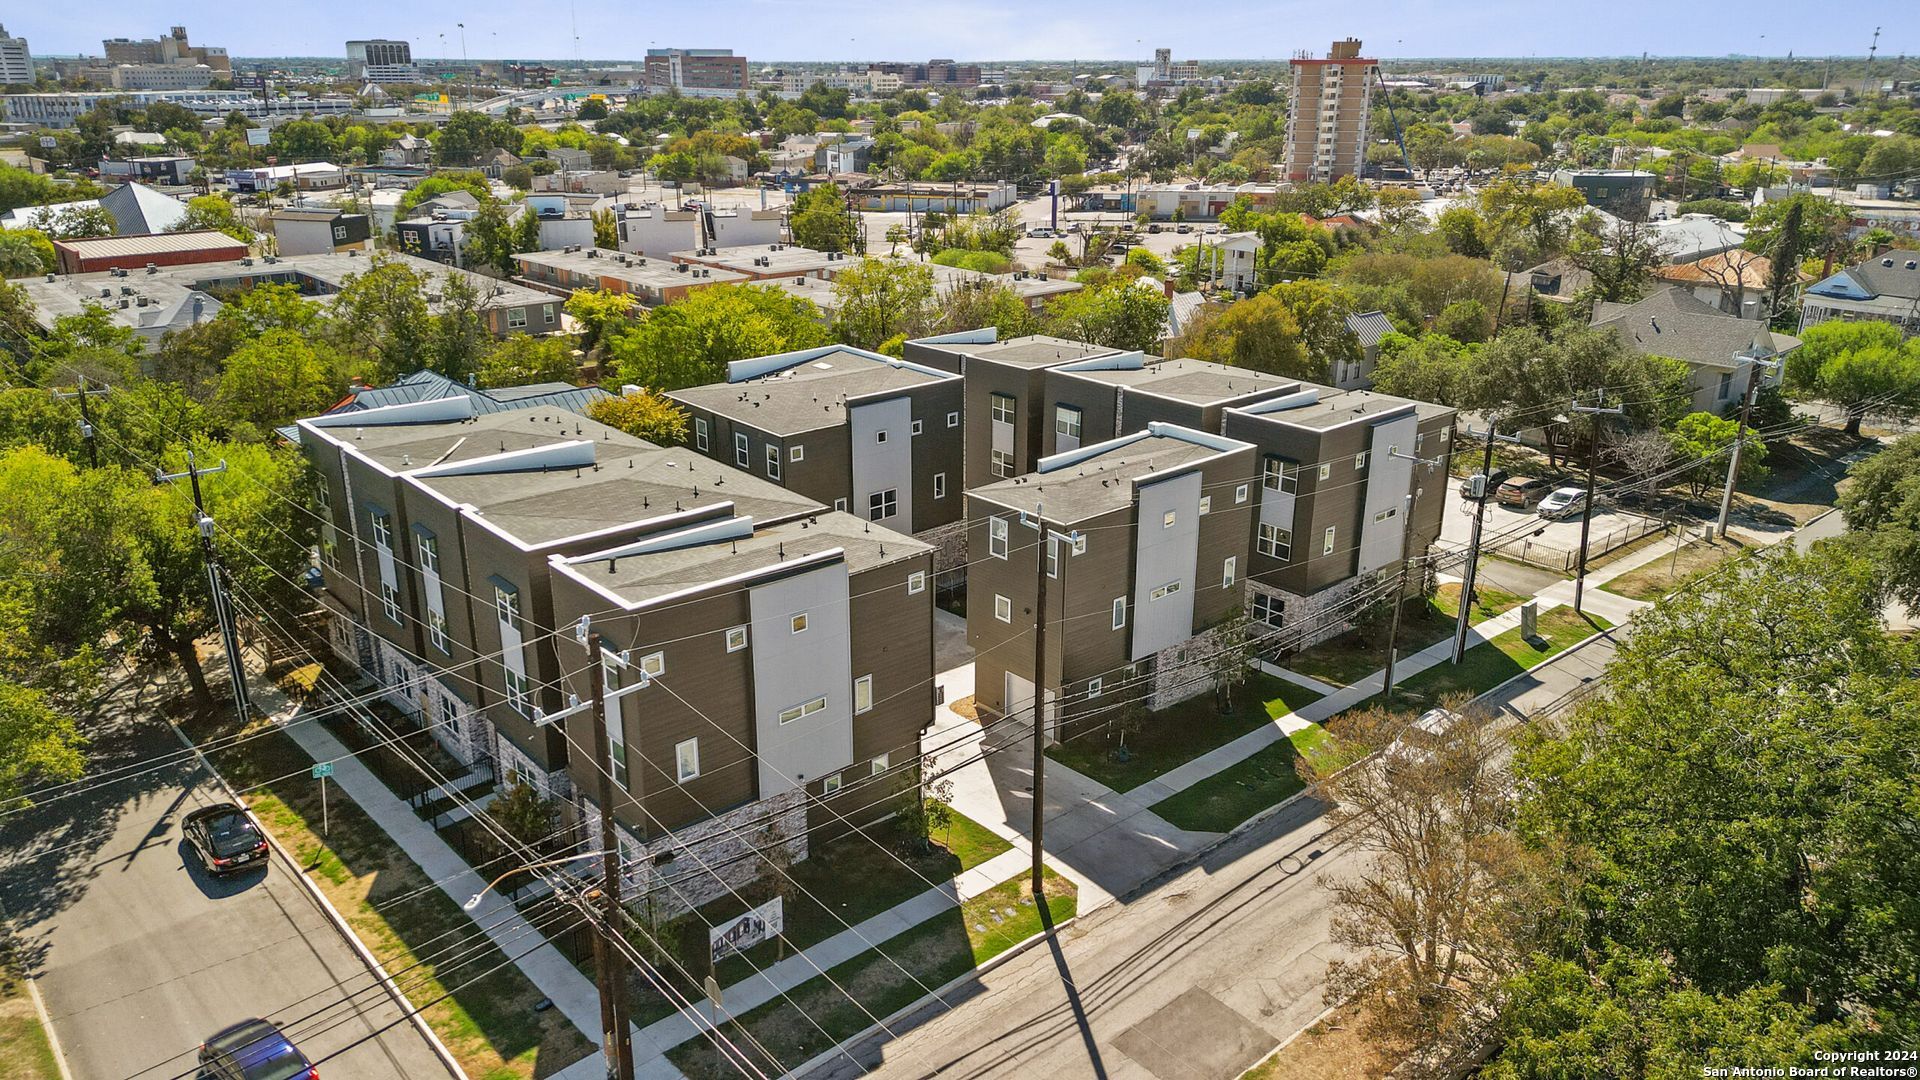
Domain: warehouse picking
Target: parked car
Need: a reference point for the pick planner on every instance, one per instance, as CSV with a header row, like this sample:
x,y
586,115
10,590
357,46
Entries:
x,y
1494,480
1153,227
254,1050
1183,228
225,838
1563,503
1520,491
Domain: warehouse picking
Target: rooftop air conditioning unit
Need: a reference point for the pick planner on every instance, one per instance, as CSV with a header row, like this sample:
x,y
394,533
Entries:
x,y
153,268
247,261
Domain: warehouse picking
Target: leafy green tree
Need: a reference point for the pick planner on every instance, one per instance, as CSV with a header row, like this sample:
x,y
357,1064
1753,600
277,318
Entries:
x,y
643,414
879,299
1118,314
820,219
690,342
1882,507
88,343
381,314
1466,321
20,187
459,331
1320,309
37,743
441,183
522,359
1861,366
601,315
528,816
492,239
25,253
1702,436
74,222
606,230
1259,334
215,214
974,305
1430,368
275,379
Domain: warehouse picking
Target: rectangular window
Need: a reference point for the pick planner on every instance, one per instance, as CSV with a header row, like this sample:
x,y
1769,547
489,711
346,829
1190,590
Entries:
x,y
916,582
830,785
699,433
882,505
1206,505
382,531
1726,385
1326,469
1275,542
740,449
1002,609
1067,421
507,605
1279,474
1360,461
546,314
773,462
797,453
1000,463
1093,688
953,419
1269,610
1389,512
840,505
997,537
1001,406
1165,591
427,549
1119,612
863,693
1053,557
798,623
1240,494
516,691
686,759
916,427
517,317
736,638
939,485
1167,519
805,708
437,631
1326,542
880,436
390,601
879,764
654,664
1227,570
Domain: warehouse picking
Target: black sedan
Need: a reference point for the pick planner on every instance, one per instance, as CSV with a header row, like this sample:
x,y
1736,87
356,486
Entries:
x,y
225,838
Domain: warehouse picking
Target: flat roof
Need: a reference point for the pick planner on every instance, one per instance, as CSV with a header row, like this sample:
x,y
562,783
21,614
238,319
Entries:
x,y
399,447
780,258
1035,351
808,395
1335,407
1200,382
636,269
1095,485
639,578
329,269
140,245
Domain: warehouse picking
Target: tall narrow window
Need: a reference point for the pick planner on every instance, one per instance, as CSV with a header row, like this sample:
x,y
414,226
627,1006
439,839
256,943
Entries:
x,y
1227,571
740,448
686,759
863,693
997,537
1119,612
773,462
699,433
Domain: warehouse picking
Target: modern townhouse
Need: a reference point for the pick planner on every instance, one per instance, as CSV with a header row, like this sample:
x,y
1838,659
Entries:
x,y
766,686
437,522
1094,400
1005,386
1135,544
868,434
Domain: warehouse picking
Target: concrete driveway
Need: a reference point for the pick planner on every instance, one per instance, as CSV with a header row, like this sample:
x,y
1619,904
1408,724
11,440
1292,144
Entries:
x,y
1527,536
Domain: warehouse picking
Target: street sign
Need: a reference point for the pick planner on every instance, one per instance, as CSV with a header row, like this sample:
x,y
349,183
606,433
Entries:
x,y
49,141
322,768
713,994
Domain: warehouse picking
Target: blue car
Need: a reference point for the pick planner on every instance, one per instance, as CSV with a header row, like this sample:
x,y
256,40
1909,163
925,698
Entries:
x,y
254,1050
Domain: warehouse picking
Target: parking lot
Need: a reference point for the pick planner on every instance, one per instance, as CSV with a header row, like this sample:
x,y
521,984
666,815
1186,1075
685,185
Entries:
x,y
1527,536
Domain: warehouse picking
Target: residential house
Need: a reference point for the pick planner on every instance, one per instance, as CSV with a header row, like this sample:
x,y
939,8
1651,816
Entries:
x,y
1885,288
1674,323
315,230
759,263
1369,328
1735,282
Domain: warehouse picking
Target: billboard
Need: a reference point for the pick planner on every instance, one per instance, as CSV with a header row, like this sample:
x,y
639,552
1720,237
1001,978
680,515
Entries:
x,y
258,136
743,932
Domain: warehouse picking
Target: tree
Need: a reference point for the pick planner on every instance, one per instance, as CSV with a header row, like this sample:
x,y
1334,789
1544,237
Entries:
x,y
522,359
1882,505
381,314
1729,803
21,187
1621,260
1320,308
275,379
643,414
37,742
1431,368
878,299
1644,453
1702,437
601,315
460,332
1119,315
820,219
606,230
1059,252
213,213
74,222
26,252
1861,366
442,183
1466,321
1259,334
528,816
491,238
972,305
690,342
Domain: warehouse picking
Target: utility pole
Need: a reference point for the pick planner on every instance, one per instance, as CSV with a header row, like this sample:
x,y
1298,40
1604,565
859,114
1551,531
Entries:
x,y
86,418
1755,356
1586,503
613,984
216,581
1471,577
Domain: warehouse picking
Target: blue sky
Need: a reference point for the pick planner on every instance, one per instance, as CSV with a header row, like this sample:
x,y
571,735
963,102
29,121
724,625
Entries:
x,y
990,29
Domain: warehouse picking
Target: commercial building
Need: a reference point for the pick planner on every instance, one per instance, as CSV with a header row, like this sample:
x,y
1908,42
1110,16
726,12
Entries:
x,y
80,256
1885,288
171,169
162,76
756,262
304,176
651,282
1327,113
1624,193
967,198
1674,322
16,60
378,60
864,433
172,50
696,69
149,304
1166,71
60,110
932,73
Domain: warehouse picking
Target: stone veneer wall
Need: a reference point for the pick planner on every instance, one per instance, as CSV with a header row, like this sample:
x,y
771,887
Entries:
x,y
709,859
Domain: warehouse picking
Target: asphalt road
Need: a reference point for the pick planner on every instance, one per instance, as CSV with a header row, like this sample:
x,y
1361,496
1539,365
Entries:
x,y
139,957
1195,977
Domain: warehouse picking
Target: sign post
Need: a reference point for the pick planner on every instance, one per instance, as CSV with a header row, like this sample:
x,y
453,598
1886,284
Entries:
x,y
322,770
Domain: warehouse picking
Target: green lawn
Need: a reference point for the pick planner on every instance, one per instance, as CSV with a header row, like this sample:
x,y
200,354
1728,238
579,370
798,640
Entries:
x,y
860,876
25,1053
1224,800
1660,577
1351,657
1175,736
1492,663
489,1023
829,1009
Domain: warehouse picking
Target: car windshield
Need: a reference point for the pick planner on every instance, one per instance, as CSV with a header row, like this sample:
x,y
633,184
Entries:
x,y
276,1062
231,834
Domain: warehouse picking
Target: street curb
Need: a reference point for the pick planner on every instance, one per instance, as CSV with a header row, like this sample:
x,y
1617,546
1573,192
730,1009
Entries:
x,y
838,1050
340,924
46,1024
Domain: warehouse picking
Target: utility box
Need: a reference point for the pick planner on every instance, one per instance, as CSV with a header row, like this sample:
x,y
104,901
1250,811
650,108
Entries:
x,y
1477,486
1530,620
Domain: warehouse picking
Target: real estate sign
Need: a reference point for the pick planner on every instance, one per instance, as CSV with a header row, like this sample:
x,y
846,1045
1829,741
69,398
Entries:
x,y
739,934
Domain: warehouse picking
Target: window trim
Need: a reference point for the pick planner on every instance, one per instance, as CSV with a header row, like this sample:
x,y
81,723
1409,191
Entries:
x,y
1000,464
916,582
883,504
1278,546
1093,687
1168,519
880,436
998,540
1064,413
1240,494
797,623
880,764
953,419
995,407
862,685
773,461
1206,505
914,428
806,708
1119,613
1164,591
653,665
939,485
830,784
700,433
742,449
1229,571
680,753
1326,542
1003,608
796,453
735,638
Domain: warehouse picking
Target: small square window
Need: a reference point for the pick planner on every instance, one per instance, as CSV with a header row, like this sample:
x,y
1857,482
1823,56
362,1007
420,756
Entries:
x,y
1000,463
1079,543
1002,407
840,504
879,764
916,582
1093,688
916,427
1167,520
1240,494
736,638
797,453
882,505
1206,505
654,664
880,436
1326,470
863,693
953,419
686,759
1119,612
798,623
1003,609
830,785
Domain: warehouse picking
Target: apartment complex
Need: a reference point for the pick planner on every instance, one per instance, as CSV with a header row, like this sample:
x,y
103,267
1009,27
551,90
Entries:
x,y
162,76
696,69
378,60
931,73
16,60
651,282
864,433
172,50
1327,114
